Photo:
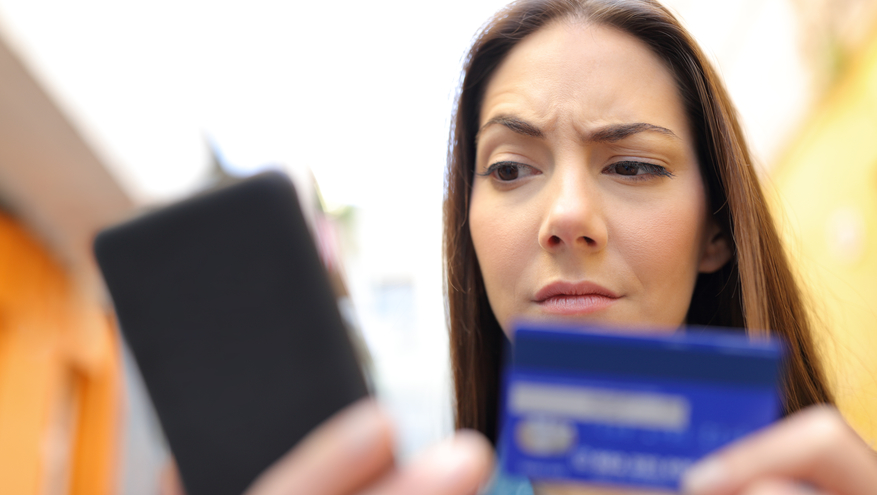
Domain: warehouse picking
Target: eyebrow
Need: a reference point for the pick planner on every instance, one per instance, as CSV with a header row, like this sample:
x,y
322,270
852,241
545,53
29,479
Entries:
x,y
616,132
515,124
606,134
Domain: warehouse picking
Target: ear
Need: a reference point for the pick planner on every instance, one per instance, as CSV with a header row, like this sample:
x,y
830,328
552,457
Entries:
x,y
716,250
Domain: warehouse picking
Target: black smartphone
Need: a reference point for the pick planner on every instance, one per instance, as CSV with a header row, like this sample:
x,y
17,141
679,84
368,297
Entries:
x,y
228,311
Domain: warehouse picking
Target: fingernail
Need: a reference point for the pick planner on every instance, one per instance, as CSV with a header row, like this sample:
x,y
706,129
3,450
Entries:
x,y
461,459
452,459
704,477
363,426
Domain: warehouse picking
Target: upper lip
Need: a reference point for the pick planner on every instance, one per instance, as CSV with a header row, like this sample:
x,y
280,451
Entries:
x,y
573,289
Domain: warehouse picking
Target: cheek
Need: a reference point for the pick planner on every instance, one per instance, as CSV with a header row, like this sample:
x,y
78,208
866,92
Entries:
x,y
493,237
495,250
663,246
501,237
663,239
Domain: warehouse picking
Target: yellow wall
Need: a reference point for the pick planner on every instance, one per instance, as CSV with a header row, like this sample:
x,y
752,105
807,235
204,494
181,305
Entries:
x,y
827,189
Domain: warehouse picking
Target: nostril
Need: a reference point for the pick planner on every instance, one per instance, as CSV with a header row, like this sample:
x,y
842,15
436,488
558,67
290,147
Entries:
x,y
581,241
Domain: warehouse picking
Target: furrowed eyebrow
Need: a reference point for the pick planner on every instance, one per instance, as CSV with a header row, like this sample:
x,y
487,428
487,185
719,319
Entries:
x,y
607,134
617,132
513,123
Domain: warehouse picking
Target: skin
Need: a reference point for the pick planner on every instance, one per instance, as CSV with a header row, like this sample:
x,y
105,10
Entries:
x,y
353,453
586,175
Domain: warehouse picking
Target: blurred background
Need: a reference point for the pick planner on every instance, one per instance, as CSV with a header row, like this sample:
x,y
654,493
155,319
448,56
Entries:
x,y
108,108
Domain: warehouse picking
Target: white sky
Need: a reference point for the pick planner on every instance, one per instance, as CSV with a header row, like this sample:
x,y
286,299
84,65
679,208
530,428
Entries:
x,y
360,92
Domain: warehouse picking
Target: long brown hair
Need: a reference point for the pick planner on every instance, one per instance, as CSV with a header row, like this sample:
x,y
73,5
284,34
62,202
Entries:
x,y
755,291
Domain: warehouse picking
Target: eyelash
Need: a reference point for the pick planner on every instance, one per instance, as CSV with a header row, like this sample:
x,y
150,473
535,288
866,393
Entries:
x,y
494,169
650,169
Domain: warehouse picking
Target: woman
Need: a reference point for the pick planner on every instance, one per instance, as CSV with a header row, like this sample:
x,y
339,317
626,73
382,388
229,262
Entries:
x,y
598,174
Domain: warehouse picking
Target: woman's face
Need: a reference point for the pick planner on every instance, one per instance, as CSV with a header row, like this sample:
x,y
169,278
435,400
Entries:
x,y
587,201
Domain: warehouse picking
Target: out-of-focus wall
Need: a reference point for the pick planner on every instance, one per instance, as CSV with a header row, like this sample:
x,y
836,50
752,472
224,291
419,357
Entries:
x,y
60,369
826,199
61,397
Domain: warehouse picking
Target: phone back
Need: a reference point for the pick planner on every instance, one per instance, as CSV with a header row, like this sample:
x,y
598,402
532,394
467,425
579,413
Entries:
x,y
228,311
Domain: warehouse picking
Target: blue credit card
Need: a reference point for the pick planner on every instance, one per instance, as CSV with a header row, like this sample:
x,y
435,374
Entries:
x,y
592,405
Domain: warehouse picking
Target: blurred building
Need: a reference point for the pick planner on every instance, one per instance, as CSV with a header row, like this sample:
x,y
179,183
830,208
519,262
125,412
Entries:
x,y
60,364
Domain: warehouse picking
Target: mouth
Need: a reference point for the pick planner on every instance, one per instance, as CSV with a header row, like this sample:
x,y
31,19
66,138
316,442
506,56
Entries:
x,y
566,298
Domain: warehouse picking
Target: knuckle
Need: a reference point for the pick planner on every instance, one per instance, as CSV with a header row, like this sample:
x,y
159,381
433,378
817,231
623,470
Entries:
x,y
826,429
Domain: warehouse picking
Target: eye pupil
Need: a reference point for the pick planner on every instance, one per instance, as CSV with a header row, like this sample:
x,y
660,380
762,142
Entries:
x,y
507,172
627,169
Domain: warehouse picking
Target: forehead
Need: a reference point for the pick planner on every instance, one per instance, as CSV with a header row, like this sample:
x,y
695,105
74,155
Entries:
x,y
586,74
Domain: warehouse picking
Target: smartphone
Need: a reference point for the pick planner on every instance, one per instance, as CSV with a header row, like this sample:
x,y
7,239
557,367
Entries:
x,y
230,316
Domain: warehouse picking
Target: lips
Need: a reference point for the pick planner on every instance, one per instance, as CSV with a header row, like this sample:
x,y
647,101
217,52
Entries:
x,y
568,298
573,289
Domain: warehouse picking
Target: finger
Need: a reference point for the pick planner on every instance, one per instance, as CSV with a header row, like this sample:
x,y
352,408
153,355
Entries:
x,y
350,450
170,483
780,487
458,466
814,445
582,489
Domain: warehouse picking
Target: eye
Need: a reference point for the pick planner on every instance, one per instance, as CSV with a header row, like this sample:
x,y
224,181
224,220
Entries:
x,y
509,171
638,170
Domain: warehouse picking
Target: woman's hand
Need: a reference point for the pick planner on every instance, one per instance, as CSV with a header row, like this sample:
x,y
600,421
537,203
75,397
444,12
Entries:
x,y
812,451
352,453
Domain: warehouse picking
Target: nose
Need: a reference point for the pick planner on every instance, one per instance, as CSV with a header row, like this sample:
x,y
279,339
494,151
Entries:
x,y
574,217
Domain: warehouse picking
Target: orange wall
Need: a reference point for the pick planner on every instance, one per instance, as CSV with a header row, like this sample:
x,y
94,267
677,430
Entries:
x,y
60,378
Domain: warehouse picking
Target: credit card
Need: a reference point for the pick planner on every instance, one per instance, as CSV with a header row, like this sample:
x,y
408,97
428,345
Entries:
x,y
597,406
